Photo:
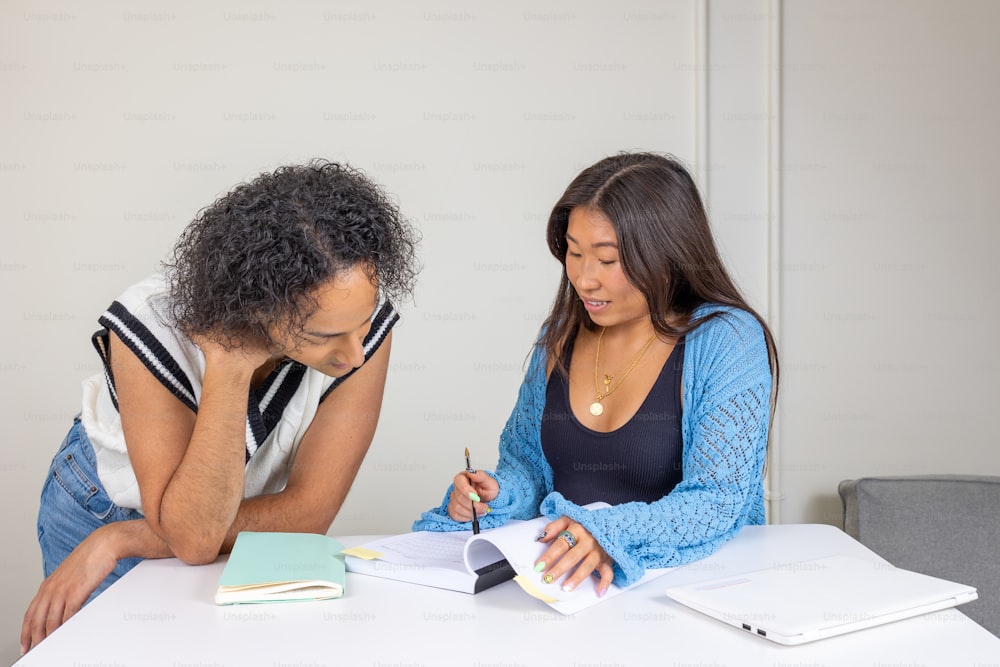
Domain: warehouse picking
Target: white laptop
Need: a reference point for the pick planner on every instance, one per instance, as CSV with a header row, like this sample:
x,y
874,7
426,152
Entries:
x,y
794,603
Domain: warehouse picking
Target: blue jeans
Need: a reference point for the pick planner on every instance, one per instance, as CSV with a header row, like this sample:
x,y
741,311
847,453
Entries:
x,y
74,504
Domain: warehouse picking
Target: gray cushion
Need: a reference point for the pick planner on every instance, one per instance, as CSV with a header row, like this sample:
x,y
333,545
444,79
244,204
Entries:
x,y
946,526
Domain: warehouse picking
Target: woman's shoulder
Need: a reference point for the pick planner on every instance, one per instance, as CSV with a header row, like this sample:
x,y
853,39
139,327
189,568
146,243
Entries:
x,y
718,319
722,330
538,360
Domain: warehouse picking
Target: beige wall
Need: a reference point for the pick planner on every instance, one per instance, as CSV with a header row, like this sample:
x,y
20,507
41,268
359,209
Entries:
x,y
849,188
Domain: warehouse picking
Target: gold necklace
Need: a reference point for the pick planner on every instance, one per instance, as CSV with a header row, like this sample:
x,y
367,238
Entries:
x,y
596,408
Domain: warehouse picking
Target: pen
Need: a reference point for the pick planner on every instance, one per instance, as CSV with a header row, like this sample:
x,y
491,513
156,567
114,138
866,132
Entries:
x,y
475,518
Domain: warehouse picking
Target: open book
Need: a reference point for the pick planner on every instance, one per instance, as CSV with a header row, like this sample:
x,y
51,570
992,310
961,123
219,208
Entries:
x,y
470,563
282,567
442,560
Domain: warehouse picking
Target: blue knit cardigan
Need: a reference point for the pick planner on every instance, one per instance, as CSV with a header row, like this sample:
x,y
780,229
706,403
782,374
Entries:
x,y
725,419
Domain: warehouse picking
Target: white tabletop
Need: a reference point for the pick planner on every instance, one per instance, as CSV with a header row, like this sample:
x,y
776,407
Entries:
x,y
162,613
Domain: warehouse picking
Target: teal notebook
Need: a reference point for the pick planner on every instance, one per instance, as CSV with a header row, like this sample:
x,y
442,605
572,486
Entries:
x,y
282,567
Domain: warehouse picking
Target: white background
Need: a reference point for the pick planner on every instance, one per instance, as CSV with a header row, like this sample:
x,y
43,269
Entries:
x,y
848,151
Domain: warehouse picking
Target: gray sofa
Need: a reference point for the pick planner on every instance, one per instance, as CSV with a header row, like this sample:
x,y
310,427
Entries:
x,y
947,526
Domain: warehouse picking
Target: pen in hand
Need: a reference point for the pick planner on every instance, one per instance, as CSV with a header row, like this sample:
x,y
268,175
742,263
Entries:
x,y
472,496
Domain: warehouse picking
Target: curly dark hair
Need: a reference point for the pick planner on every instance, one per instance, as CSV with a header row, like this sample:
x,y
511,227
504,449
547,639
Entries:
x,y
251,260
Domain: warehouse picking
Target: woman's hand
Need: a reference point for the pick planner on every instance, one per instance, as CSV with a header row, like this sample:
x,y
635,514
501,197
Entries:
x,y
65,590
577,551
471,487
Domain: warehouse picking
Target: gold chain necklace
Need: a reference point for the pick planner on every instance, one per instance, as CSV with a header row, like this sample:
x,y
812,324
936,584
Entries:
x,y
596,408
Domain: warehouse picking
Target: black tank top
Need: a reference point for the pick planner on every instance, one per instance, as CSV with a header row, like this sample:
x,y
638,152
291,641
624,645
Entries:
x,y
641,461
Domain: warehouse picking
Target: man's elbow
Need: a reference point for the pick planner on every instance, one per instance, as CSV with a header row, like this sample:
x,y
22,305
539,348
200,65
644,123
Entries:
x,y
192,548
196,553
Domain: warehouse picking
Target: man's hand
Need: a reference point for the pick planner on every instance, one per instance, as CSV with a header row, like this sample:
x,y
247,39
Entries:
x,y
65,590
248,357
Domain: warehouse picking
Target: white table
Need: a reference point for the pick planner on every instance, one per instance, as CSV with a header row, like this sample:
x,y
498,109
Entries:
x,y
162,613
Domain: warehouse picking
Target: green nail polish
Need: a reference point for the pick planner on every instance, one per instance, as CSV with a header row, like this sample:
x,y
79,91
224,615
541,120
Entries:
x,y
539,566
474,496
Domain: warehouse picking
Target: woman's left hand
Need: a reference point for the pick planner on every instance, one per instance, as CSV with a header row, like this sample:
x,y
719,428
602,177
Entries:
x,y
578,552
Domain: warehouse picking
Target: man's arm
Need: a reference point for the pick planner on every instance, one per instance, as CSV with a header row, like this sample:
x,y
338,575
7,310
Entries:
x,y
327,460
190,467
323,470
65,590
193,494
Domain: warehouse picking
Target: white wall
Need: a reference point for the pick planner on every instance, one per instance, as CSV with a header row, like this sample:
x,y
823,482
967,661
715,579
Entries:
x,y
118,123
889,226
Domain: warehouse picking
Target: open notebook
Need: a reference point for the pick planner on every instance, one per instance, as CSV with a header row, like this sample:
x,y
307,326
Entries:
x,y
461,561
794,603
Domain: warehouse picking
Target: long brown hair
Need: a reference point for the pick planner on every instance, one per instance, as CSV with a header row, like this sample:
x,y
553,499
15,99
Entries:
x,y
665,247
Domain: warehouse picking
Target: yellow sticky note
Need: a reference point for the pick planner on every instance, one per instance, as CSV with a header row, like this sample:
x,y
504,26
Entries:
x,y
361,552
531,589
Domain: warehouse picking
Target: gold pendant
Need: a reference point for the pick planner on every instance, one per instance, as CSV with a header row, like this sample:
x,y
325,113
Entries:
x,y
596,408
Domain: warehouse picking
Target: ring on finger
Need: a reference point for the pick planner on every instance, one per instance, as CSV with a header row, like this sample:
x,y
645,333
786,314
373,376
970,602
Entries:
x,y
568,537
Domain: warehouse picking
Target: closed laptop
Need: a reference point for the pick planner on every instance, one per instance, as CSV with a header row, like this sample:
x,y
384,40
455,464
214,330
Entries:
x,y
798,602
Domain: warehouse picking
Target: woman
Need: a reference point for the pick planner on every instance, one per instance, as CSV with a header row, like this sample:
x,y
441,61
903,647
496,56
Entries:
x,y
650,388
241,388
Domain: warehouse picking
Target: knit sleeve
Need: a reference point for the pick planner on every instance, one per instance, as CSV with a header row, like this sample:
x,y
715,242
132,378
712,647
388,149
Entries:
x,y
522,472
727,388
